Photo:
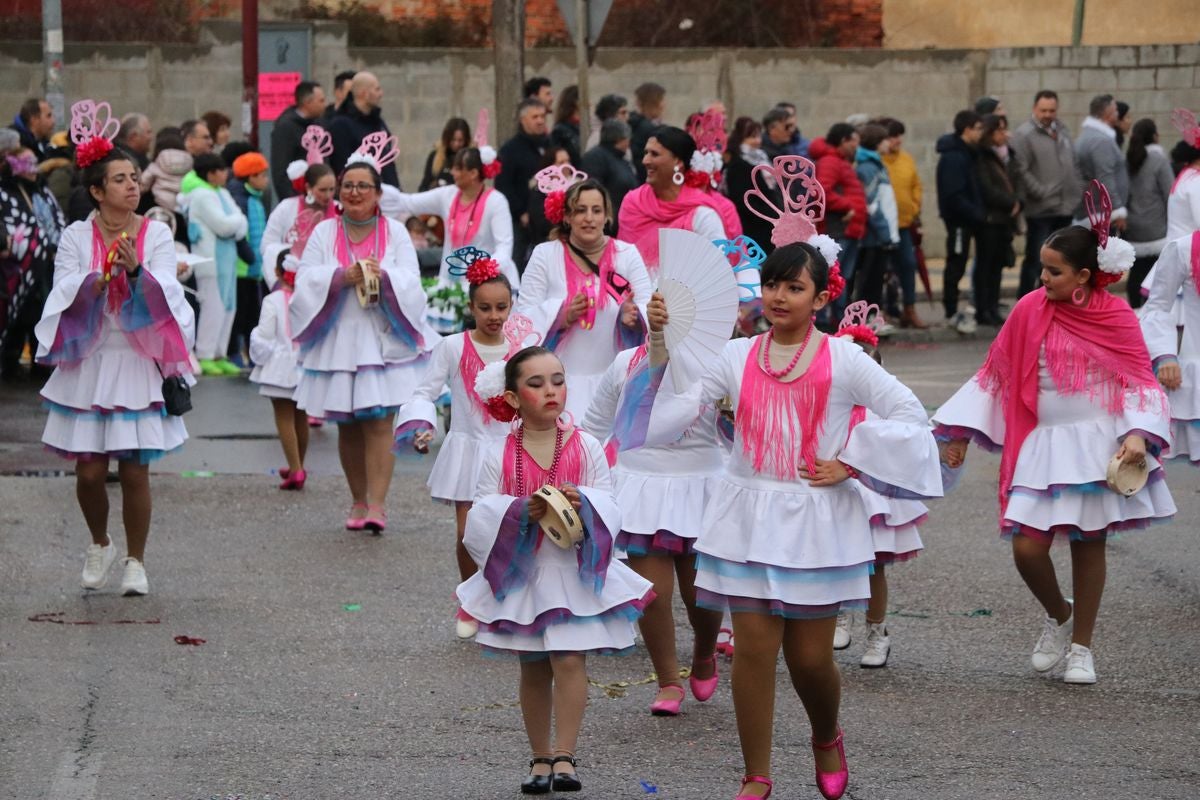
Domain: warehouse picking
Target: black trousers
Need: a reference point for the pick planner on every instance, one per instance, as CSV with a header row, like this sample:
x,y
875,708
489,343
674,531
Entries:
x,y
958,252
868,275
245,318
1137,274
991,251
1038,231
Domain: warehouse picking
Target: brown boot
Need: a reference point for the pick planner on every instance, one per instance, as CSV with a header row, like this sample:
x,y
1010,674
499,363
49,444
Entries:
x,y
909,319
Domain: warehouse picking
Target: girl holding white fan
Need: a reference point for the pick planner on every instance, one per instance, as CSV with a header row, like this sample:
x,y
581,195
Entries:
x,y
455,362
541,530
585,291
766,551
358,313
1066,383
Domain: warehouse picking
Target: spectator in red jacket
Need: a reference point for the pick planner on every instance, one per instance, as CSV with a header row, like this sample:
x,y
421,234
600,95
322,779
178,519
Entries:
x,y
845,200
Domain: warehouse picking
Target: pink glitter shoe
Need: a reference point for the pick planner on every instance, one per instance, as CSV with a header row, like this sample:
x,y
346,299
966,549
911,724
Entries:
x,y
832,785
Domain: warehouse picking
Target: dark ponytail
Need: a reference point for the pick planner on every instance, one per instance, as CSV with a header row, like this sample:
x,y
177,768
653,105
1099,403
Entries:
x,y
1142,136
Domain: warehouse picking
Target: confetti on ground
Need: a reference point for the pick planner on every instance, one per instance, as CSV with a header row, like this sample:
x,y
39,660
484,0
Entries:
x,y
352,607
979,612
189,640
648,787
59,618
197,473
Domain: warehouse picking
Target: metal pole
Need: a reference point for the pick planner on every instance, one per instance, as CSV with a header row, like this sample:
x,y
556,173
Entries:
x,y
581,64
52,57
1077,23
250,70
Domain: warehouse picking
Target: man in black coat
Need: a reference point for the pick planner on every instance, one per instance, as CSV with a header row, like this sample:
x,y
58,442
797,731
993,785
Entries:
x,y
651,100
960,205
34,123
520,159
606,162
359,115
289,130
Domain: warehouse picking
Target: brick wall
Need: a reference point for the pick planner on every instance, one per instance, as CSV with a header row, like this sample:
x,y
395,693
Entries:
x,y
424,87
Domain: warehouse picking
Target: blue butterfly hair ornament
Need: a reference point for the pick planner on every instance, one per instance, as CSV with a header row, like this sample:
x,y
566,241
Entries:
x,y
460,261
744,255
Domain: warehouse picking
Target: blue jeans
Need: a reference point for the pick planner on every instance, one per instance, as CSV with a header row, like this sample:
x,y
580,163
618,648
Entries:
x,y
847,261
904,263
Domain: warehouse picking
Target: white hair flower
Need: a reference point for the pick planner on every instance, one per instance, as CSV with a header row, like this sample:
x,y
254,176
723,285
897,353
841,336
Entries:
x,y
827,247
489,381
1115,257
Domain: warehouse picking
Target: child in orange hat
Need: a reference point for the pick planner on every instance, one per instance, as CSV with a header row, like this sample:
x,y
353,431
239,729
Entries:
x,y
252,174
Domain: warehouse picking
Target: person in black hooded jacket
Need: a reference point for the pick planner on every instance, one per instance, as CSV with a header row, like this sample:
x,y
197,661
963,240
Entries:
x,y
960,203
358,116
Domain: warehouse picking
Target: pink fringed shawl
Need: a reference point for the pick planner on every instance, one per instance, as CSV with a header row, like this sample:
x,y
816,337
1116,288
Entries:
x,y
469,366
770,411
571,465
642,214
1097,348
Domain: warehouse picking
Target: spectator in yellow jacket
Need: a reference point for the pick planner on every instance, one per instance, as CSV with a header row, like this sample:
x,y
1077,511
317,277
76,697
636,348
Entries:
x,y
906,183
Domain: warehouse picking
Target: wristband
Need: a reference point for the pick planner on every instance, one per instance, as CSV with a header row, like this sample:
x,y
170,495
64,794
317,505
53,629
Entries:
x,y
850,471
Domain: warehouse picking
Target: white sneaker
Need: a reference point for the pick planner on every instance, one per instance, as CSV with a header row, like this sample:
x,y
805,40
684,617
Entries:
x,y
96,563
1080,667
878,646
841,634
886,329
1052,646
466,628
965,323
134,582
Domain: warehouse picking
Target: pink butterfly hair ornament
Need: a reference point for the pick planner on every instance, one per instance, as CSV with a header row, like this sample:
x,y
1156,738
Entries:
x,y
487,153
708,132
318,145
861,323
1114,256
1185,122
93,127
799,208
378,149
554,181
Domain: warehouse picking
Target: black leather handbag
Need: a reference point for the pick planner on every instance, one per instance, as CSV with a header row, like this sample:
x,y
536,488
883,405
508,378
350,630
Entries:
x,y
177,395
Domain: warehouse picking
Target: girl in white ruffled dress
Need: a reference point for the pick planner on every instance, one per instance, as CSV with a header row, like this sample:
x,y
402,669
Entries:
x,y
1066,384
360,361
456,361
662,492
277,373
114,326
786,540
548,604
1177,364
585,291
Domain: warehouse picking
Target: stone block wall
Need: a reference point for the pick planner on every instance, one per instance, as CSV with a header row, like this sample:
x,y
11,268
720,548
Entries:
x,y
422,88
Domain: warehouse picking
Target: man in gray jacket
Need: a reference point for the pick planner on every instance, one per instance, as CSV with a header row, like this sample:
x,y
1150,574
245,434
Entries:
x,y
1099,157
1048,182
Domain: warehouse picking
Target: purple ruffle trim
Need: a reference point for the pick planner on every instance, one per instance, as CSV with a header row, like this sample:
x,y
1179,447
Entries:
x,y
630,611
321,323
79,326
407,432
948,433
883,559
360,414
140,456
715,601
542,655
660,543
1056,490
400,324
1074,534
1155,445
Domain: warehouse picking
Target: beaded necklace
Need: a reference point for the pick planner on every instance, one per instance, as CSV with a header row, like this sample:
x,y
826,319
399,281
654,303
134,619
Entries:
x,y
522,455
766,354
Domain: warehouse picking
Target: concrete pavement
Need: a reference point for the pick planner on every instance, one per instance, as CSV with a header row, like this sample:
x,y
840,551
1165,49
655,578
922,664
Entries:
x,y
330,668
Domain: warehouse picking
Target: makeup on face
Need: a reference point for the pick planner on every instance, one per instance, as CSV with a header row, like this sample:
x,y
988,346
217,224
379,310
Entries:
x,y
541,390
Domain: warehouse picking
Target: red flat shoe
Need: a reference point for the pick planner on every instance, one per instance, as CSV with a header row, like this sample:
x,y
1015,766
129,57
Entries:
x,y
376,519
832,785
764,780
703,688
725,648
354,523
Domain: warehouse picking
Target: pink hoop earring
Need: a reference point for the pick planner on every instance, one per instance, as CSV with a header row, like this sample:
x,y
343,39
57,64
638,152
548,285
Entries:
x,y
677,178
515,425
569,423
1078,297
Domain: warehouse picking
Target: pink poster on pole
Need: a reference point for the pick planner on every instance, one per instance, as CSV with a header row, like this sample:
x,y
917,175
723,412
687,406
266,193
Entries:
x,y
276,92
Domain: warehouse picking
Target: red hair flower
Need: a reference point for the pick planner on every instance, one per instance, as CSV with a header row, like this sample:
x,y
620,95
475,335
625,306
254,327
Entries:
x,y
836,284
696,180
482,269
92,151
491,170
554,206
499,408
863,334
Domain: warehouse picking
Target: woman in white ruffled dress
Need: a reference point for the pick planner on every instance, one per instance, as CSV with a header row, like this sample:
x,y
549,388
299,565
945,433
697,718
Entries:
x,y
1066,385
292,221
360,363
1176,362
586,292
116,323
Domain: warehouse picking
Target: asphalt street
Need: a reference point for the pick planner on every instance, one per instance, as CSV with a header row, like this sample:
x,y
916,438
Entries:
x,y
329,666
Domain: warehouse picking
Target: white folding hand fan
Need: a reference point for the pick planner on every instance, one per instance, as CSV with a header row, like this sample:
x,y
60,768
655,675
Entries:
x,y
701,294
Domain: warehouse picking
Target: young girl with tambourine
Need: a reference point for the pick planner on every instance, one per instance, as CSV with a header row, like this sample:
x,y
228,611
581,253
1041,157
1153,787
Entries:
x,y
541,530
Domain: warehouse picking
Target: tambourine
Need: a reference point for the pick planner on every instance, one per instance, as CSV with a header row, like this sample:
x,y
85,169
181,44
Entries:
x,y
1127,479
110,258
368,290
588,320
561,524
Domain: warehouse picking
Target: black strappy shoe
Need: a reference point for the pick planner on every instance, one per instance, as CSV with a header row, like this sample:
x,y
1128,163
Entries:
x,y
566,781
538,784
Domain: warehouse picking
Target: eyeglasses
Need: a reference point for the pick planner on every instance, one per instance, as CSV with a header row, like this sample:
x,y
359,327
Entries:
x,y
358,188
